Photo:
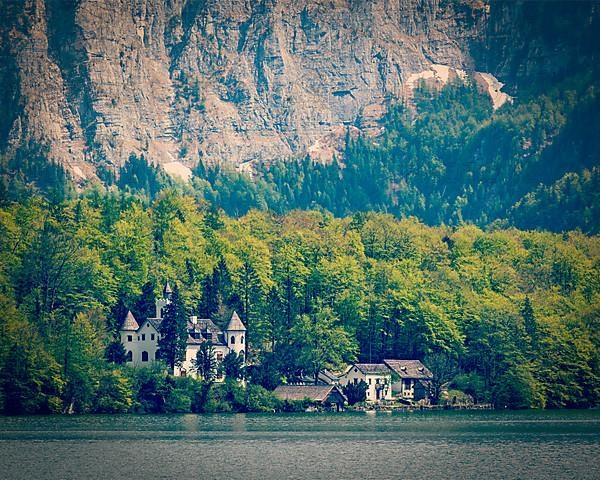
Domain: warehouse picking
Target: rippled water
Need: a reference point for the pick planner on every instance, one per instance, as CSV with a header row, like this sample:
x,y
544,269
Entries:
x,y
503,445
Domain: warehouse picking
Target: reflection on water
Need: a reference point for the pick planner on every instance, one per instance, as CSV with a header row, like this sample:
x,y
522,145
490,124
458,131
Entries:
x,y
488,445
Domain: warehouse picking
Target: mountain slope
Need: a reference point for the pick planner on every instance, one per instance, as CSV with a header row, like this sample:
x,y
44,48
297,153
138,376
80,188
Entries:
x,y
232,81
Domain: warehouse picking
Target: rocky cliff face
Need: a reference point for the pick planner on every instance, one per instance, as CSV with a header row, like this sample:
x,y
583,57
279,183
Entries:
x,y
92,81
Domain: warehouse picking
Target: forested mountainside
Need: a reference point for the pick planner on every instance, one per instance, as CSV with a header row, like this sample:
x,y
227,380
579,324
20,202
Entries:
x,y
89,83
351,176
452,160
506,316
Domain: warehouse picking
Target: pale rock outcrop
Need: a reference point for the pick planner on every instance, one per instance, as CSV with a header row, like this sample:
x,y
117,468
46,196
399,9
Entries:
x,y
234,81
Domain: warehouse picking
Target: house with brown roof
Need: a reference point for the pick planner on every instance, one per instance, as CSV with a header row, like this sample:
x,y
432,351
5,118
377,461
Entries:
x,y
413,379
141,340
330,397
377,376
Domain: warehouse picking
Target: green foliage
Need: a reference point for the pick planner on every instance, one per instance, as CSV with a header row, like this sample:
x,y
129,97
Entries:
x,y
138,176
451,159
511,315
321,343
173,331
114,394
356,392
205,363
233,366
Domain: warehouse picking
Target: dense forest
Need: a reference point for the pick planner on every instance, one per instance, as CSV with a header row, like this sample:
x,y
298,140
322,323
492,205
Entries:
x,y
506,316
447,158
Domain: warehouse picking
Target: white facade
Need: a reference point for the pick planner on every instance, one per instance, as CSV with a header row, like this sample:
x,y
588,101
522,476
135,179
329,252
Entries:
x,y
377,377
141,342
141,345
413,379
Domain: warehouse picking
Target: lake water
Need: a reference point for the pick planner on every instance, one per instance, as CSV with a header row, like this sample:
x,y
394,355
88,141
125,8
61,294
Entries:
x,y
431,445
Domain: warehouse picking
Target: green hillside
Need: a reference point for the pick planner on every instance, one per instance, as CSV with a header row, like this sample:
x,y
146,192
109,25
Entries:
x,y
507,316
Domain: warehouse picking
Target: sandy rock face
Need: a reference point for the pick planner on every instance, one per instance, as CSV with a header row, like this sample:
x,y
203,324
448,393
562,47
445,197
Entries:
x,y
219,80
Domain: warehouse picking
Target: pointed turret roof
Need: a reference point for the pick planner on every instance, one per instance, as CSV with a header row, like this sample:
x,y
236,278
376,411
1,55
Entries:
x,y
130,323
235,324
167,290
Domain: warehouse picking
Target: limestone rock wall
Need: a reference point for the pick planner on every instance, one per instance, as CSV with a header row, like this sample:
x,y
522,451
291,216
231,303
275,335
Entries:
x,y
219,80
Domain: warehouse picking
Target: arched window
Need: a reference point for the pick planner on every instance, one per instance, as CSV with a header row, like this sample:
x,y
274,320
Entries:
x,y
242,340
144,356
129,356
232,339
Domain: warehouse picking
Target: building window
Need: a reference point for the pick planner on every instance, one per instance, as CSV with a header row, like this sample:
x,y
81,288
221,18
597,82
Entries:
x,y
369,381
242,339
143,337
151,336
144,356
219,356
356,381
377,381
129,356
156,355
130,338
232,339
138,338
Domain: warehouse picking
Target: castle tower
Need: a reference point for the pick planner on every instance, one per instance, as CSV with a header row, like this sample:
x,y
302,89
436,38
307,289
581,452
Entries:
x,y
235,333
163,302
128,333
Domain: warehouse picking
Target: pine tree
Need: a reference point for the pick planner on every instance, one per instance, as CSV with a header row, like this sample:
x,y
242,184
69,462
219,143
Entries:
x,y
530,322
173,331
145,307
233,366
205,362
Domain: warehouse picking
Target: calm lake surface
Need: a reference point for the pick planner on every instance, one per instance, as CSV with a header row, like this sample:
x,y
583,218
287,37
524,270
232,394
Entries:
x,y
504,445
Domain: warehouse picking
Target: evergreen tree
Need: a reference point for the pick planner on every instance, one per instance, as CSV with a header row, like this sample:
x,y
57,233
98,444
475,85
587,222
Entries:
x,y
212,218
115,352
173,331
145,307
530,322
117,316
233,366
205,362
356,392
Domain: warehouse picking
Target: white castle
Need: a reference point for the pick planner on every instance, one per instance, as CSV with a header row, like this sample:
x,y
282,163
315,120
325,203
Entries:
x,y
141,341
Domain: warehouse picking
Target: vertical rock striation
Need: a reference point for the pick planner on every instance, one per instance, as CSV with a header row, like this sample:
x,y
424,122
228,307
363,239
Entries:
x,y
93,81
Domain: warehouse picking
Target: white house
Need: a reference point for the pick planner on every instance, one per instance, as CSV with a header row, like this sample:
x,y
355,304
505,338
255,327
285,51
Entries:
x,y
413,379
377,376
202,330
141,341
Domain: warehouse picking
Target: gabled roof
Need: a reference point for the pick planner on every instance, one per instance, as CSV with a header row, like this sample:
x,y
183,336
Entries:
x,y
371,368
130,323
155,322
409,369
204,326
326,377
316,393
235,324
